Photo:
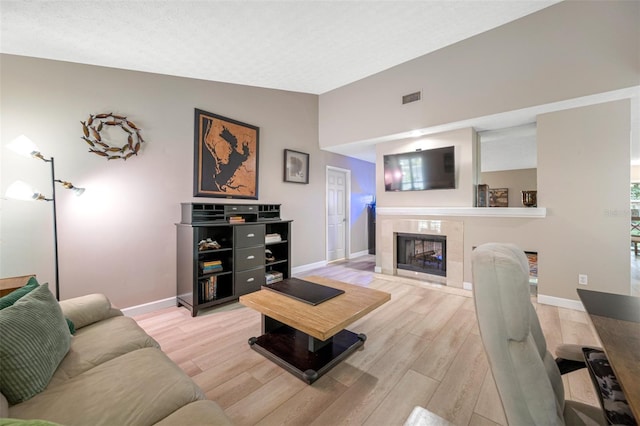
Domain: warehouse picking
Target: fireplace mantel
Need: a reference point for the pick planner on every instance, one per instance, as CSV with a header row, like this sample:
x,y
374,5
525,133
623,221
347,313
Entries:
x,y
526,212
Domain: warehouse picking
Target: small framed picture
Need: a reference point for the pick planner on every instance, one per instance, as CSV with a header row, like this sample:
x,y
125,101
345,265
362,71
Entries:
x,y
498,197
296,166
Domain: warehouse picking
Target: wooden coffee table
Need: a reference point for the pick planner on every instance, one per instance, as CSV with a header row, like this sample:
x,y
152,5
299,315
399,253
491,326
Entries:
x,y
309,340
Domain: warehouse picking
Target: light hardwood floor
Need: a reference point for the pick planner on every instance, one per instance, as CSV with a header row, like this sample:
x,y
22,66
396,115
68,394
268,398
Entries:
x,y
423,348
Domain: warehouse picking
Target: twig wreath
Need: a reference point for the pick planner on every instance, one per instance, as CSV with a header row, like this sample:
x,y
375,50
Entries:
x,y
95,124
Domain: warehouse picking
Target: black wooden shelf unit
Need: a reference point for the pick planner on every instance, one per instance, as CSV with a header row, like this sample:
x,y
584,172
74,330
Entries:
x,y
227,250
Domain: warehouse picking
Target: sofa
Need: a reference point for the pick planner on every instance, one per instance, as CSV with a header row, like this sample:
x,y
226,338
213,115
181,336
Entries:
x,y
108,372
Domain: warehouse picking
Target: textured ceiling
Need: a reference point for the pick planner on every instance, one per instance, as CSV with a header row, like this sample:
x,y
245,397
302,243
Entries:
x,y
305,46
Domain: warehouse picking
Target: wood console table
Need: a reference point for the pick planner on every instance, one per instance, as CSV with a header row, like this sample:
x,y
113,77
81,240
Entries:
x,y
309,340
7,285
616,320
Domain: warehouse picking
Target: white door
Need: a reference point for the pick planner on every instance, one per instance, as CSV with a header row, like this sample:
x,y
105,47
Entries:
x,y
336,214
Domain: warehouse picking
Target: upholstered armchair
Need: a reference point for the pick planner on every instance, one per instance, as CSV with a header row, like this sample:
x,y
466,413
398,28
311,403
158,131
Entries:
x,y
525,372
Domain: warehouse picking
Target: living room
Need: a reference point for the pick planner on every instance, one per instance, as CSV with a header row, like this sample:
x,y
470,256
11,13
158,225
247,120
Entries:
x,y
119,237
572,68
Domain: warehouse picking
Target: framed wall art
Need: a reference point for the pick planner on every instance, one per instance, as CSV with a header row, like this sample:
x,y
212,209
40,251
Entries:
x,y
296,166
225,157
498,197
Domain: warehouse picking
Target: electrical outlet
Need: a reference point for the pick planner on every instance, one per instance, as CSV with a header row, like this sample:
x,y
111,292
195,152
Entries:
x,y
582,279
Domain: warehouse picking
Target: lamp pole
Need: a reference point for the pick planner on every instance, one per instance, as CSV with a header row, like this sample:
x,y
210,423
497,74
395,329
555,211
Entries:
x,y
25,147
55,225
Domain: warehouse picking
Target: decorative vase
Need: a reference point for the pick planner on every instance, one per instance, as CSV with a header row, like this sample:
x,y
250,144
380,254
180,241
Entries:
x,y
529,198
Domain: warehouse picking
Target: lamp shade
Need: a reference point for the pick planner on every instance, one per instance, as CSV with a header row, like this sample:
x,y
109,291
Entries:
x,y
23,145
68,185
20,190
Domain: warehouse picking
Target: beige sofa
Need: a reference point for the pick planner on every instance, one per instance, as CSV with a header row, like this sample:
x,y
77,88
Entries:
x,y
114,374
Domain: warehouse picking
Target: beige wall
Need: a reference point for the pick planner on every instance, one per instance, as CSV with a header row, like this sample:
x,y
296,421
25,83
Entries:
x,y
586,48
119,237
514,180
583,181
583,184
568,50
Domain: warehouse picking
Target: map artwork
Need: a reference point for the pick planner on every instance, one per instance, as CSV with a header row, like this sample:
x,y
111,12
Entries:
x,y
226,157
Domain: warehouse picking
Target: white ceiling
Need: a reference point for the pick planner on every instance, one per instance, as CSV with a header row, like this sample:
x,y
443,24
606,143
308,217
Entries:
x,y
305,46
308,46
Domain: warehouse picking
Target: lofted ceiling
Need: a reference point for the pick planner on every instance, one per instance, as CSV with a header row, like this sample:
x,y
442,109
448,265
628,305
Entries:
x,y
309,46
305,46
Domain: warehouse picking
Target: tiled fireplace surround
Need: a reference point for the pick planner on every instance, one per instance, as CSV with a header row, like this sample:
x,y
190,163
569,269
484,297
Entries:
x,y
453,230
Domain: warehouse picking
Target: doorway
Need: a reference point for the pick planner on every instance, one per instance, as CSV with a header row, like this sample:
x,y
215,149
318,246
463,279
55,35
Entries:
x,y
338,229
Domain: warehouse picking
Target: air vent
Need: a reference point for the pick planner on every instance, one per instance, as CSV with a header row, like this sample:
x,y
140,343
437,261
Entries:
x,y
411,97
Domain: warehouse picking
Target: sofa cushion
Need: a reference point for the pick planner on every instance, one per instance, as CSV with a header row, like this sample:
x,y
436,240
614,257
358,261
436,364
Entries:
x,y
138,388
88,309
11,298
35,338
30,422
100,342
203,412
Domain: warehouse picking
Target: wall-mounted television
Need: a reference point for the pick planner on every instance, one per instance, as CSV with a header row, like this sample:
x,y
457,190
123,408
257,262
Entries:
x,y
420,170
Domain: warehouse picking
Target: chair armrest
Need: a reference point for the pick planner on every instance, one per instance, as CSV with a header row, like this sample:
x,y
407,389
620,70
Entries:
x,y
86,310
573,352
570,357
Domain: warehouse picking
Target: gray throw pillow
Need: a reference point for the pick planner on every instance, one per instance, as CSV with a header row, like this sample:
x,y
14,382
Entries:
x,y
35,338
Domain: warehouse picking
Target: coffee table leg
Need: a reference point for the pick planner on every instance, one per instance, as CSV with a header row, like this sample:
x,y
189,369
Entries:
x,y
269,324
302,355
316,344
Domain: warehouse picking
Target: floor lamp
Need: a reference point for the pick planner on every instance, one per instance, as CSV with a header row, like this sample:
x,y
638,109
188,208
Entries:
x,y
22,191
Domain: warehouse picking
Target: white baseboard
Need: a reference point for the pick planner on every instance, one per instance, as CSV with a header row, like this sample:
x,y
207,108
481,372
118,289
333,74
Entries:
x,y
171,301
358,254
149,307
560,302
308,267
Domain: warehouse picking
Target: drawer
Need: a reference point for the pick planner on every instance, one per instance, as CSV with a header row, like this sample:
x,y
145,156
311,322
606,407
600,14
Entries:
x,y
240,208
249,281
249,235
249,258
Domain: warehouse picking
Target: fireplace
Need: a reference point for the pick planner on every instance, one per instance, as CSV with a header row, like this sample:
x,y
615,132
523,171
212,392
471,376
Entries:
x,y
392,225
422,253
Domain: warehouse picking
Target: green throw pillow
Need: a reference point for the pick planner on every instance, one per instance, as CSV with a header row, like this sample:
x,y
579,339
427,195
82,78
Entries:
x,y
15,295
35,338
11,298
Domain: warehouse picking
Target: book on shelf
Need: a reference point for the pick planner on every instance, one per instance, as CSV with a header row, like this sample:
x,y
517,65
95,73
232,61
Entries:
x,y
236,219
211,269
273,277
272,238
209,288
211,266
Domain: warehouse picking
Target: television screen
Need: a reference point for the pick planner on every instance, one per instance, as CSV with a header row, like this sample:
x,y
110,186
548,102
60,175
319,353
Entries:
x,y
420,170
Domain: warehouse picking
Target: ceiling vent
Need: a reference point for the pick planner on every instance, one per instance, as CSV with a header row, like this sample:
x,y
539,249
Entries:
x,y
411,97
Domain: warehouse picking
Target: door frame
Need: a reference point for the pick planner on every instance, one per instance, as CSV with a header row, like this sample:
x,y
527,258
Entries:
x,y
347,204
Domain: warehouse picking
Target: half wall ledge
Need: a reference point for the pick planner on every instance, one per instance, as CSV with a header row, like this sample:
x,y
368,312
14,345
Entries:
x,y
530,212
